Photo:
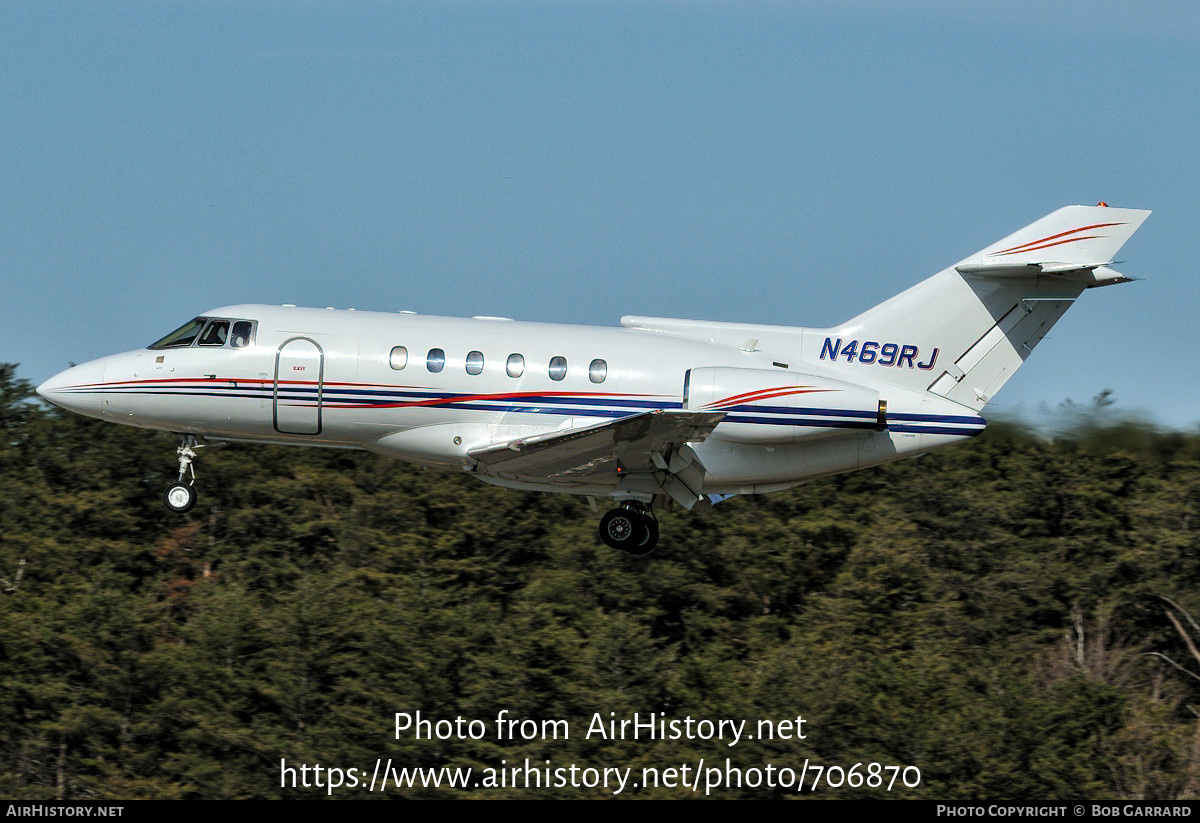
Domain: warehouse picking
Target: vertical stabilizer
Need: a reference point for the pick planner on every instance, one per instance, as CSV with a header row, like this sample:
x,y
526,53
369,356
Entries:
x,y
963,332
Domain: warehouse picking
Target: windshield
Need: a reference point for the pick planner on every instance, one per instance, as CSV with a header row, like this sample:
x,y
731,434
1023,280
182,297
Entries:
x,y
216,334
182,336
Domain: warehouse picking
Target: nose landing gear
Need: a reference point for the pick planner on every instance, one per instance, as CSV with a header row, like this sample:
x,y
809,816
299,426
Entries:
x,y
180,496
630,528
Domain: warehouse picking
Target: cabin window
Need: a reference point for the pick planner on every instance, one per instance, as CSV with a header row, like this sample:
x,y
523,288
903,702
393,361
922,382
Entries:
x,y
515,365
597,371
474,362
436,361
398,358
558,368
215,334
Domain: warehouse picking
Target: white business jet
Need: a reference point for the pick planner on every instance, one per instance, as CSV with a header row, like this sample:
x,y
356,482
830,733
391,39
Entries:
x,y
660,410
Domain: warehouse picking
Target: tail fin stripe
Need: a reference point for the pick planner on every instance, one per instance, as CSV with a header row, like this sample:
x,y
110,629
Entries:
x,y
1047,245
1034,243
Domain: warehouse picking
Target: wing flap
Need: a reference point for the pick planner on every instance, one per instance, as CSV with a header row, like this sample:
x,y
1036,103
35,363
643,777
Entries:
x,y
627,444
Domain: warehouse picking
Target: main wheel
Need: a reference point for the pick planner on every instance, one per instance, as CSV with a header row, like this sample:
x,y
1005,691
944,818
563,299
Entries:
x,y
180,497
649,536
622,529
629,530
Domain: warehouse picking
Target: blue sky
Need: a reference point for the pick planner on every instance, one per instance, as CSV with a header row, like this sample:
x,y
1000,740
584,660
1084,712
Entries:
x,y
787,163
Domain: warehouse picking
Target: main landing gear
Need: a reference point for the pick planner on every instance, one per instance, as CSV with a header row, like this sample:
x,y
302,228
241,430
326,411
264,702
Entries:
x,y
630,527
180,496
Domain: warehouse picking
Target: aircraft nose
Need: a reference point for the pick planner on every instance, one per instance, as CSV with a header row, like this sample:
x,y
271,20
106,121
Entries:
x,y
79,389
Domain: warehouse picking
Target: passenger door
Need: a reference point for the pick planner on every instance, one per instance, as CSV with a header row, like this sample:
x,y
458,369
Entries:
x,y
299,376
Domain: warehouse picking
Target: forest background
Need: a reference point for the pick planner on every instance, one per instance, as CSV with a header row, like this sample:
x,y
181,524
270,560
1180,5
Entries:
x,y
1011,616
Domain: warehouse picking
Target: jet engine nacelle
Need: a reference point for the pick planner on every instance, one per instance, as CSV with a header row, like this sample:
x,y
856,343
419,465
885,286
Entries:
x,y
772,406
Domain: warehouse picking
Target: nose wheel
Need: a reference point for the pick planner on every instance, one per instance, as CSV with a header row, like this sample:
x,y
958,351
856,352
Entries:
x,y
180,496
630,528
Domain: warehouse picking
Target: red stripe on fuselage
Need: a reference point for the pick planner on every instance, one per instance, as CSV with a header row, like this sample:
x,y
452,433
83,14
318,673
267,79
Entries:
x,y
461,398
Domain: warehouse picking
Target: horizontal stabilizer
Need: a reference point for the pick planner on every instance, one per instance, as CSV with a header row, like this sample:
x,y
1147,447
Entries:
x,y
1019,269
1095,274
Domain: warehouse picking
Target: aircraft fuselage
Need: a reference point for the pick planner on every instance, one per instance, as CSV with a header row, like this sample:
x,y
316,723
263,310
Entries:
x,y
329,377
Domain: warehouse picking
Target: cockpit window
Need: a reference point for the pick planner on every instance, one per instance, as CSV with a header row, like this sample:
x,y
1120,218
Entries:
x,y
241,334
215,334
211,332
183,336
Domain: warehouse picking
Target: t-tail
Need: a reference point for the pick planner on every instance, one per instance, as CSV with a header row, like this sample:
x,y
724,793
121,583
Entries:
x,y
963,332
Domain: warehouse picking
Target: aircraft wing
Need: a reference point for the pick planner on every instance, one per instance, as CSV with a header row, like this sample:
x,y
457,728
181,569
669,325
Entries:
x,y
653,441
